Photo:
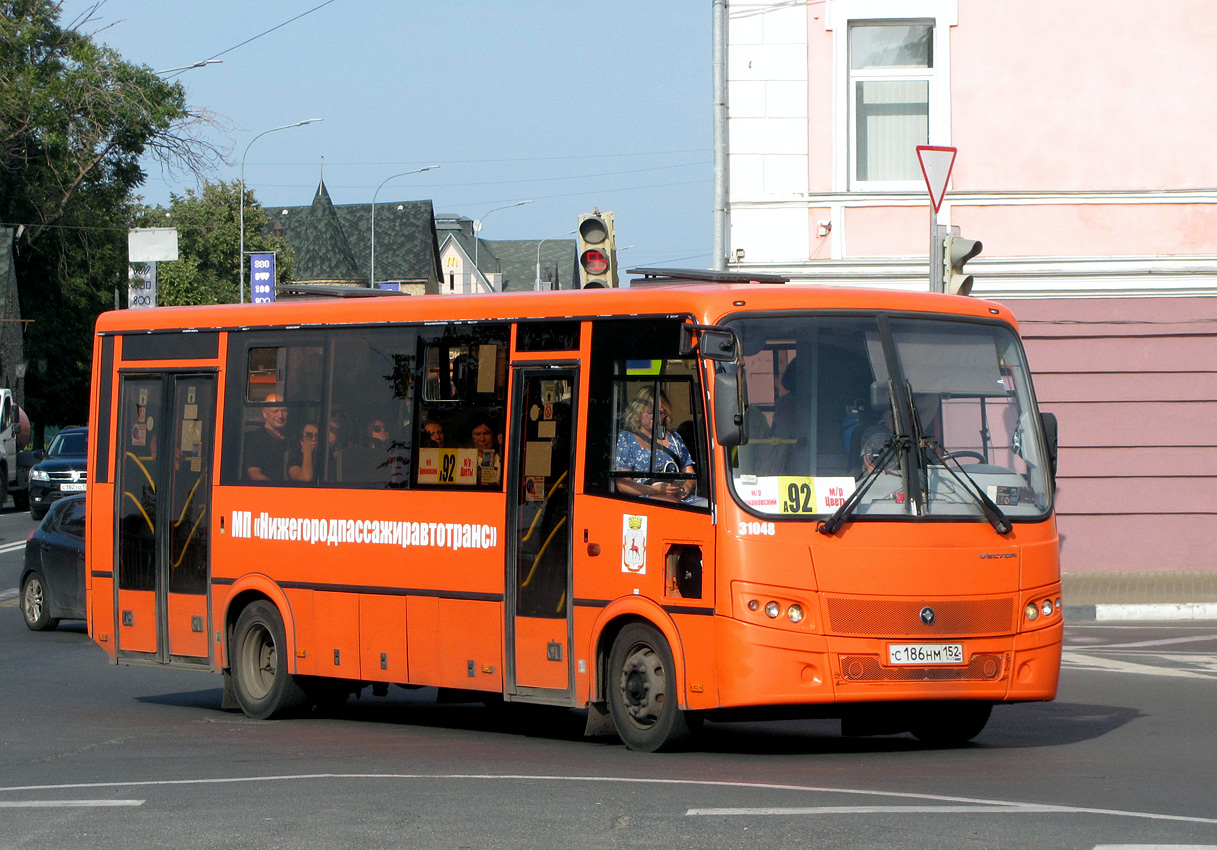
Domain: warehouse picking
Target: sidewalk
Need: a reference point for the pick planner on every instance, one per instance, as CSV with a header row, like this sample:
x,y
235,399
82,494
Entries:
x,y
1181,595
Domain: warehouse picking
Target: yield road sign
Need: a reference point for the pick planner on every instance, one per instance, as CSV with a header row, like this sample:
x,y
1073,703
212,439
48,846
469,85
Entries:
x,y
936,163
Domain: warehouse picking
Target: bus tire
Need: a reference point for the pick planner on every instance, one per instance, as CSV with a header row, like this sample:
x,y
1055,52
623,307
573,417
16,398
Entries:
x,y
950,724
642,691
264,688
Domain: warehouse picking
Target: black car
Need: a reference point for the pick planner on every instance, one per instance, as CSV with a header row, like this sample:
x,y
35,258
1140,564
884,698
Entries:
x,y
61,472
53,579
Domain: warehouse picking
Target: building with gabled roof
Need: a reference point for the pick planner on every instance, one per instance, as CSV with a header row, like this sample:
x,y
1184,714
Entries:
x,y
333,243
481,265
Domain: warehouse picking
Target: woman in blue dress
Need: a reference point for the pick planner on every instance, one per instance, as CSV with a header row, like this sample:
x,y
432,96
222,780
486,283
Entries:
x,y
671,454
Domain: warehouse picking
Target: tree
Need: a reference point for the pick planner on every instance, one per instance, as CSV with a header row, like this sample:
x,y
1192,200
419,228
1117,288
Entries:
x,y
75,122
207,223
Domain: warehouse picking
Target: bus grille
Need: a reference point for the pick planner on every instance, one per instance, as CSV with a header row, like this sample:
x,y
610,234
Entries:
x,y
866,668
884,618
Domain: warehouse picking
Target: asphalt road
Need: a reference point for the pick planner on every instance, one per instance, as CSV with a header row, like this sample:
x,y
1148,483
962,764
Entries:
x,y
97,756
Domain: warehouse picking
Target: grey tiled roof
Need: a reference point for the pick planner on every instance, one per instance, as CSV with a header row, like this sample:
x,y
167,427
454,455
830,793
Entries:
x,y
517,260
333,243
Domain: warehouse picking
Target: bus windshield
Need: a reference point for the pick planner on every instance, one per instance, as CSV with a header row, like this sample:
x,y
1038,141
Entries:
x,y
926,417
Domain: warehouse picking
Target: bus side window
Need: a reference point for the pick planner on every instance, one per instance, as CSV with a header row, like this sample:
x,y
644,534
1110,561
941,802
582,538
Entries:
x,y
459,428
371,397
633,361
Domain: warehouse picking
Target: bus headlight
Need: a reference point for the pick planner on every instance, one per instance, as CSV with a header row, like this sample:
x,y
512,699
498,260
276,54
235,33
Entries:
x,y
1047,608
1032,611
794,614
772,610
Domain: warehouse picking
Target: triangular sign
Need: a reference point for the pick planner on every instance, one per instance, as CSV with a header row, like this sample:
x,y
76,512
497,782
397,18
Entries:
x,y
936,164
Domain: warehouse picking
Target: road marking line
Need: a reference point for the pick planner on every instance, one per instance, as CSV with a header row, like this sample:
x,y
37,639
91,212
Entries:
x,y
877,810
1081,661
1155,847
7,594
1140,643
56,804
12,547
698,783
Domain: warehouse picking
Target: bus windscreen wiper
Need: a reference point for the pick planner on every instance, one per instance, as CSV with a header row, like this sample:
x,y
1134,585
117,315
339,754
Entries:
x,y
892,448
992,512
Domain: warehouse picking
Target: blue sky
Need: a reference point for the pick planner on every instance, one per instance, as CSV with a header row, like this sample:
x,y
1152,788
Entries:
x,y
562,102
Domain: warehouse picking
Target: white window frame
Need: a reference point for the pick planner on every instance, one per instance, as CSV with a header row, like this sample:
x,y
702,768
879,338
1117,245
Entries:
x,y
840,16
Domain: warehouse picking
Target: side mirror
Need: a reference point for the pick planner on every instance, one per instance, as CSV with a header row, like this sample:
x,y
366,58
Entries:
x,y
730,405
1050,438
715,343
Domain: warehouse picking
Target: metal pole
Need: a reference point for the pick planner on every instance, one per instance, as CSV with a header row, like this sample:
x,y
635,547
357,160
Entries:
x,y
241,218
477,227
537,284
935,253
372,259
722,213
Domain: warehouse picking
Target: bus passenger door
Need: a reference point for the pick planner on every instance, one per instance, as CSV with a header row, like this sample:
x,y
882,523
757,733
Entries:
x,y
539,605
164,497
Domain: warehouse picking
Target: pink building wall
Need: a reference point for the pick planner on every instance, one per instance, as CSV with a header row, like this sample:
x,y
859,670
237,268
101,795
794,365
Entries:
x,y
1133,382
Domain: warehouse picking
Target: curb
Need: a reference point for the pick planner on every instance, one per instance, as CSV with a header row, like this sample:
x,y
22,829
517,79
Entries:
x,y
1111,612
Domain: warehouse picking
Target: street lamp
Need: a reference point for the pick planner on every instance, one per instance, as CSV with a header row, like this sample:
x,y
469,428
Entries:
x,y
241,259
372,260
537,286
477,227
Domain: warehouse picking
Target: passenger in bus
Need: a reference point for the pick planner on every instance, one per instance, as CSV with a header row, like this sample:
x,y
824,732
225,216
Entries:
x,y
302,461
378,435
483,437
633,453
266,448
434,431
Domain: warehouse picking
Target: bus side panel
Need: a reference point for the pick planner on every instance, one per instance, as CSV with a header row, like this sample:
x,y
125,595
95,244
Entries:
x,y
534,666
697,653
382,639
422,639
471,644
99,587
137,621
188,630
335,639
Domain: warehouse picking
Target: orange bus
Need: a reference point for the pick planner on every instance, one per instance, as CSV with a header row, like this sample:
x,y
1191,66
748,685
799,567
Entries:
x,y
659,504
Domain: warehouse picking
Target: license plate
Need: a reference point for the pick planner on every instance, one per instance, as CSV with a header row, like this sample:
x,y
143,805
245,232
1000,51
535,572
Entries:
x,y
925,653
72,488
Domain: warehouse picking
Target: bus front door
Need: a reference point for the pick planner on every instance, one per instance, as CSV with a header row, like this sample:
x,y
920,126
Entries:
x,y
539,606
164,496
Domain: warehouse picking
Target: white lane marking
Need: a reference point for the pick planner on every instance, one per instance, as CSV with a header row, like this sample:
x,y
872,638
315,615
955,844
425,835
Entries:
x,y
698,783
58,804
12,547
1155,847
1081,661
7,594
1140,643
1014,808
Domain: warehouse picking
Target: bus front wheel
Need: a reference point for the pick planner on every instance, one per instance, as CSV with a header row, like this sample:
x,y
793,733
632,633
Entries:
x,y
642,691
264,687
950,724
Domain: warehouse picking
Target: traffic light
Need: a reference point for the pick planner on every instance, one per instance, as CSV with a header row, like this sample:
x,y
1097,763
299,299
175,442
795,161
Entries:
x,y
597,251
956,252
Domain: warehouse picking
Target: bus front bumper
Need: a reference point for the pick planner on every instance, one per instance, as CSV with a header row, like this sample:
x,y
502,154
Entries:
x,y
759,666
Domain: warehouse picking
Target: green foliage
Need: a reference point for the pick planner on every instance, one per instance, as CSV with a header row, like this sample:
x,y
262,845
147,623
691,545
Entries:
x,y
207,223
75,122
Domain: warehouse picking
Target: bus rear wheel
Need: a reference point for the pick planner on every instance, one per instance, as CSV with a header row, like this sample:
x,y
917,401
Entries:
x,y
264,688
642,691
950,724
